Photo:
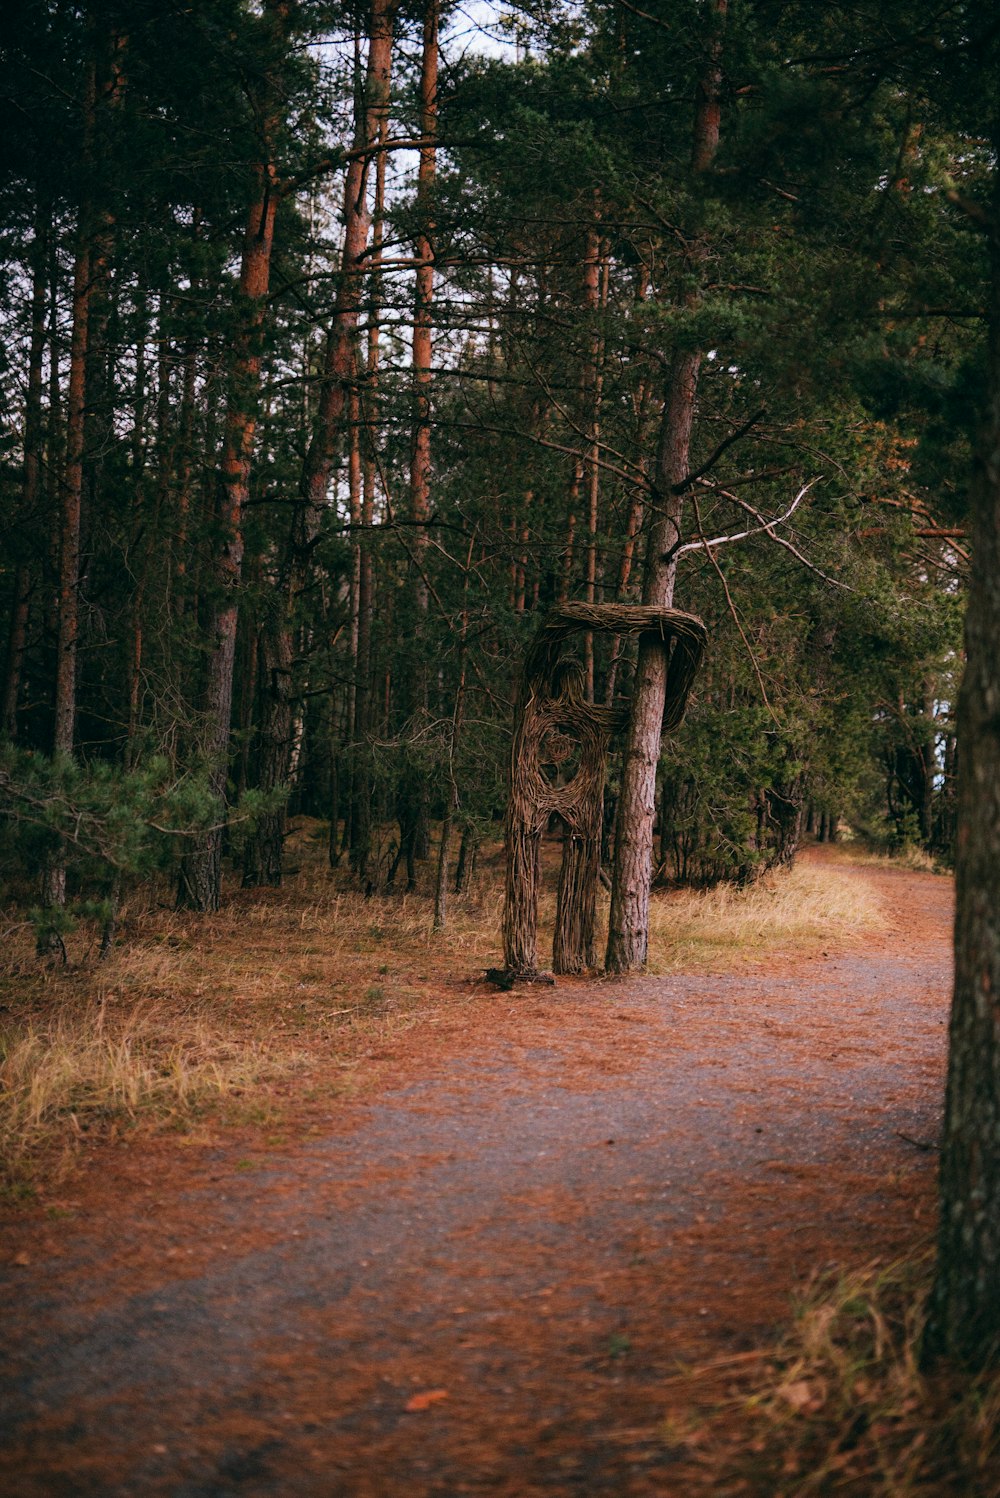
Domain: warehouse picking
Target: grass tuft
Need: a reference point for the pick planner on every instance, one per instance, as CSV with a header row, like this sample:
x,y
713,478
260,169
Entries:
x,y
840,1405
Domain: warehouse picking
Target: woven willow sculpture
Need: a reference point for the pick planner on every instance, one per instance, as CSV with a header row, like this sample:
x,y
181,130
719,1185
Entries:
x,y
558,764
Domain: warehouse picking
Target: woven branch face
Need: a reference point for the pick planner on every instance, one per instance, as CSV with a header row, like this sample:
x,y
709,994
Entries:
x,y
558,755
559,764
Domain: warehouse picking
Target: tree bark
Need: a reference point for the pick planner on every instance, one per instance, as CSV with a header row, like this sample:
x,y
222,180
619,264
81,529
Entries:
x,y
634,521
339,360
420,464
628,930
964,1320
361,776
72,484
200,883
71,496
414,808
263,865
595,297
30,479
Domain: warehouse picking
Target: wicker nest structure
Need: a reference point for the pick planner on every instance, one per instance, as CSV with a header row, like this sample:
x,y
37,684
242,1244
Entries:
x,y
559,764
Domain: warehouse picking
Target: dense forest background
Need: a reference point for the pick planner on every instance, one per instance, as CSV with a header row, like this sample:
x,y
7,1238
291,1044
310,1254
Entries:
x,y
341,342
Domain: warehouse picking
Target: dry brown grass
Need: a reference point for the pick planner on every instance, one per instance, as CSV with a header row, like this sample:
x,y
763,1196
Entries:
x,y
78,1072
793,909
839,1404
910,856
192,1011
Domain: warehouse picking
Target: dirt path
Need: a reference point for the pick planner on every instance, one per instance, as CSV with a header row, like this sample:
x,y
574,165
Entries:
x,y
479,1279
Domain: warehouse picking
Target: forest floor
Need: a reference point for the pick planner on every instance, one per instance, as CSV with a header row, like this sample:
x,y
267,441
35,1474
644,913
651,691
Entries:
x,y
524,1245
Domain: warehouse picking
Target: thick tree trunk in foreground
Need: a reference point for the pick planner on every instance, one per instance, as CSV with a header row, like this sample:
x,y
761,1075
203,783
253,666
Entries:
x,y
628,927
964,1321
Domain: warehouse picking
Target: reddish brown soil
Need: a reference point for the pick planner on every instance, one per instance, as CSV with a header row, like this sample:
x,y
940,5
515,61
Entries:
x,y
484,1276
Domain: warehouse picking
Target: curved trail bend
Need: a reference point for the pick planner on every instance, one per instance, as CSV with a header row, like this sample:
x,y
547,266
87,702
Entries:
x,y
479,1279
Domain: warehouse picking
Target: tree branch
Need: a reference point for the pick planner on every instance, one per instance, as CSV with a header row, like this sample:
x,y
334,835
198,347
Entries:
x,y
723,446
768,527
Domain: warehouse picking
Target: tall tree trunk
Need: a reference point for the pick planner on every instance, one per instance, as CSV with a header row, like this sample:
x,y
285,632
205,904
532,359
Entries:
x,y
263,864
348,748
180,457
634,522
361,777
70,498
339,359
628,929
72,484
964,1321
420,463
413,791
452,804
566,574
139,539
30,478
579,870
360,726
55,447
595,297
200,883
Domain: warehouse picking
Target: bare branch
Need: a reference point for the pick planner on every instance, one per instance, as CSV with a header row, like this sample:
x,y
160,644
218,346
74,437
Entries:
x,y
768,527
756,530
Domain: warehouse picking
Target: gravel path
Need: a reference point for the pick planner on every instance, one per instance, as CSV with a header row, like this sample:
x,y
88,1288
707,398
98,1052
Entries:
x,y
480,1280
